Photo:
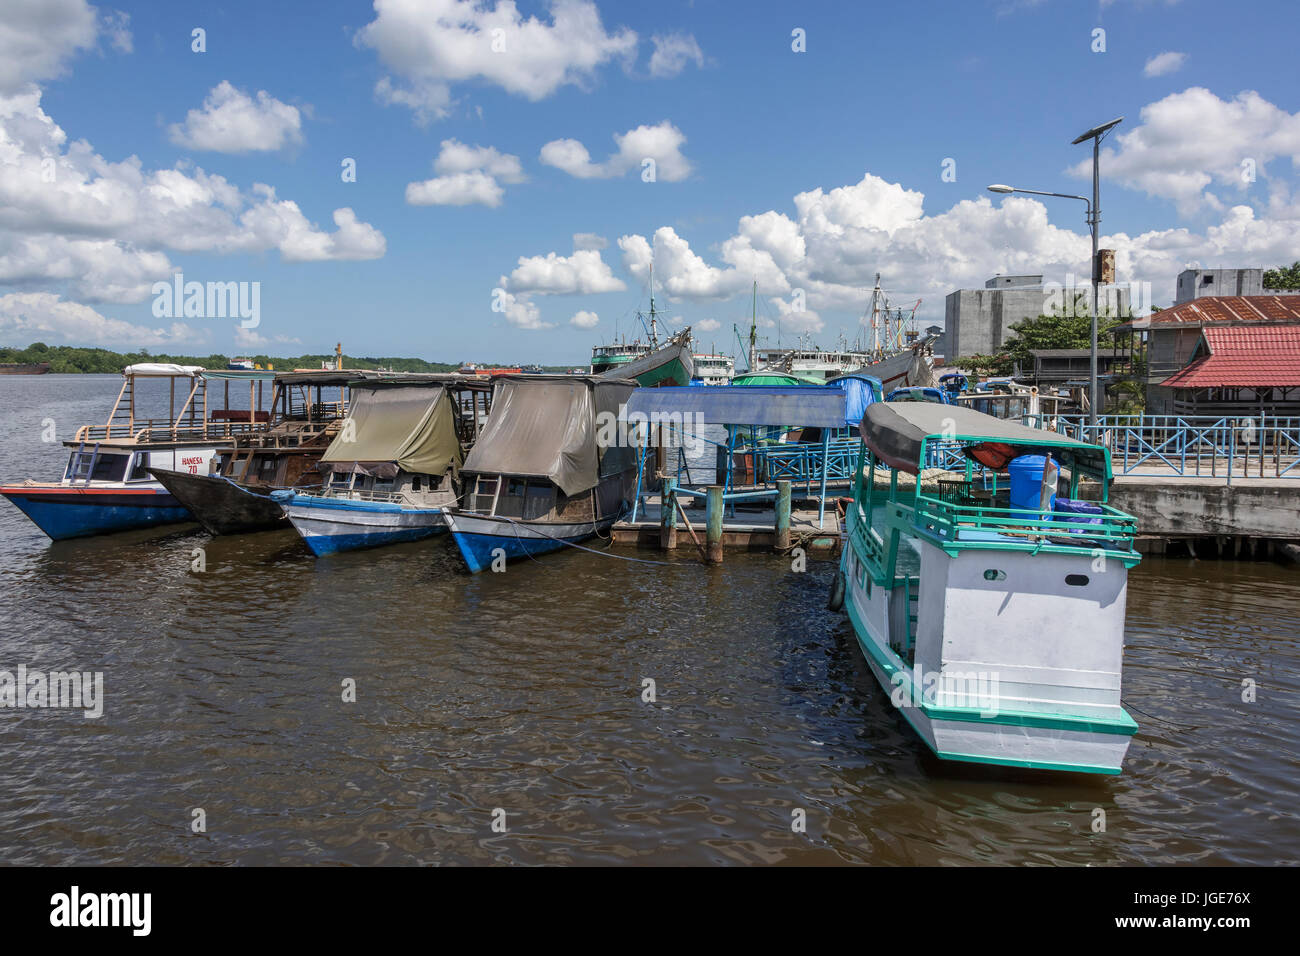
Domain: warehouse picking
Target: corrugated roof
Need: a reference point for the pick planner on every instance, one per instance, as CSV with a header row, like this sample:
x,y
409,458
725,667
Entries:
x,y
1234,309
1243,355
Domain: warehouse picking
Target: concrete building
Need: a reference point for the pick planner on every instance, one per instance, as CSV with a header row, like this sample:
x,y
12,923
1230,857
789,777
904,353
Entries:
x,y
979,320
1202,283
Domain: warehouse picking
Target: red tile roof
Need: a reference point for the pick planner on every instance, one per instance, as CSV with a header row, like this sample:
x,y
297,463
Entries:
x,y
1234,309
1243,355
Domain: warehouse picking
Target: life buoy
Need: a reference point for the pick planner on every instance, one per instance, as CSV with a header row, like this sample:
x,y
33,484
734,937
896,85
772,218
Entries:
x,y
836,599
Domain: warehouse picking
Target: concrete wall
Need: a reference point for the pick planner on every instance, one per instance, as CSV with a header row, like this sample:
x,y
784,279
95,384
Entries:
x,y
1198,283
1177,507
979,320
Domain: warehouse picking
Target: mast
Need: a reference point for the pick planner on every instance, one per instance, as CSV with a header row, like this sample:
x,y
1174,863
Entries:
x,y
654,337
753,330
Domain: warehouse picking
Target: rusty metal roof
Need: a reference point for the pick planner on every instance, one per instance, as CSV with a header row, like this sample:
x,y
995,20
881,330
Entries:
x,y
1222,309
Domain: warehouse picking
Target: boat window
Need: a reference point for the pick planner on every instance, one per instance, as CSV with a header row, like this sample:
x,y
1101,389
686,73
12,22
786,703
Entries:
x,y
1077,580
415,482
96,467
140,468
993,574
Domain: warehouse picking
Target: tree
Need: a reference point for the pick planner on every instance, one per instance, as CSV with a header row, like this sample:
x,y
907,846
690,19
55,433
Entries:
x,y
1283,277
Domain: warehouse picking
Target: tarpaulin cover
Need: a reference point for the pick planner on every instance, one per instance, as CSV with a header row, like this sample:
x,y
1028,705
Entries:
x,y
412,427
860,391
813,406
164,369
544,426
240,374
894,432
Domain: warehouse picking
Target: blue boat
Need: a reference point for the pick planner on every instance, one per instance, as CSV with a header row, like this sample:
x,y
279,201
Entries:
x,y
107,485
392,469
552,468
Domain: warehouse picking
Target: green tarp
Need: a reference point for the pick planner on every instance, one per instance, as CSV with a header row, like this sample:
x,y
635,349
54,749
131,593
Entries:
x,y
413,427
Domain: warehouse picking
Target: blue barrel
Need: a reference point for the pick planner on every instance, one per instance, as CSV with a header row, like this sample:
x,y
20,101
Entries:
x,y
1026,473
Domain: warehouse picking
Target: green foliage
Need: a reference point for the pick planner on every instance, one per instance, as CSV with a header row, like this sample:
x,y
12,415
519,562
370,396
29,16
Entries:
x,y
1283,277
994,365
68,358
1057,332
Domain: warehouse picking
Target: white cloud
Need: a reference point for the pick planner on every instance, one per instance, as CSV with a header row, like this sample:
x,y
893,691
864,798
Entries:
x,y
251,339
584,320
431,45
38,37
116,25
1190,140
66,209
521,312
661,142
583,273
589,240
707,325
467,174
231,121
673,53
44,316
1164,63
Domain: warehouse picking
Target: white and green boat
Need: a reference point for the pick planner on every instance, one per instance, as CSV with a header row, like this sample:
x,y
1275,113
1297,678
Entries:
x,y
991,611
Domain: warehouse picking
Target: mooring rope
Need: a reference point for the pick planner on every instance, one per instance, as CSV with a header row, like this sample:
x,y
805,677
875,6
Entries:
x,y
571,544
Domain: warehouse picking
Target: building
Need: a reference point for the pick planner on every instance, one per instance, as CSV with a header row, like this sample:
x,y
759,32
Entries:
x,y
1053,367
979,320
1236,370
1204,283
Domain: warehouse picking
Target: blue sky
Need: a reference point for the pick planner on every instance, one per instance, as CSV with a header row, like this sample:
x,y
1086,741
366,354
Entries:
x,y
737,122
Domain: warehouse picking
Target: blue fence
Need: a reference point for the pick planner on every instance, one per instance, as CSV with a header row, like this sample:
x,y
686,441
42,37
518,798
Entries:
x,y
1185,446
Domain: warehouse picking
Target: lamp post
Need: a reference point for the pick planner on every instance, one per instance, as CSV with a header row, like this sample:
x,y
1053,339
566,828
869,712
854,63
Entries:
x,y
1096,134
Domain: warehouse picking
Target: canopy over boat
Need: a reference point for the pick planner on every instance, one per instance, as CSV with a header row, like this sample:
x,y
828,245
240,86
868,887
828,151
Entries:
x,y
240,374
752,379
545,426
896,432
817,407
162,370
411,428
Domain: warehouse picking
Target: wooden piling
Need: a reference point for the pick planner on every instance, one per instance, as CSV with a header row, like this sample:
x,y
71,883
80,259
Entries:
x,y
713,535
668,514
782,537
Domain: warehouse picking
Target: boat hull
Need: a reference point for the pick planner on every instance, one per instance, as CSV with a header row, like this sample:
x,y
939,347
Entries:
x,y
331,525
483,539
64,512
221,505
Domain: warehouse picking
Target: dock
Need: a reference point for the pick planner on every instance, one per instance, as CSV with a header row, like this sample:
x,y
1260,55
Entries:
x,y
748,529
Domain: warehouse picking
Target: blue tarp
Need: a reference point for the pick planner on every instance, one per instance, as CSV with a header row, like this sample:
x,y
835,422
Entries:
x,y
813,406
860,391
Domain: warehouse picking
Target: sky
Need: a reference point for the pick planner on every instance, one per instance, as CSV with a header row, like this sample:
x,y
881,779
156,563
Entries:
x,y
491,181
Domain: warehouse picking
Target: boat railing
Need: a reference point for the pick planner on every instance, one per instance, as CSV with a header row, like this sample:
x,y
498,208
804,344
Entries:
x,y
147,431
361,494
954,525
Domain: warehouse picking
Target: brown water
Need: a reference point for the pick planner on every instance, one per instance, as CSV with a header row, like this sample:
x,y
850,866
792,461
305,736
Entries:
x,y
523,691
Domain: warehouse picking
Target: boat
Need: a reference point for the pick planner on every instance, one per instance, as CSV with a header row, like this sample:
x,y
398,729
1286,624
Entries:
x,y
713,369
24,368
391,470
649,363
991,610
241,364
106,486
236,496
545,472
920,393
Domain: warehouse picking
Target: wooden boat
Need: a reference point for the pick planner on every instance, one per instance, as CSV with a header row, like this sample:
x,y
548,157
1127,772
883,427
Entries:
x,y
106,486
540,475
391,470
671,364
24,368
993,616
236,496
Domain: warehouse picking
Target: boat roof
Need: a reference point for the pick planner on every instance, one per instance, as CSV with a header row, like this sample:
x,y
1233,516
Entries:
x,y
814,407
545,426
239,374
896,432
162,370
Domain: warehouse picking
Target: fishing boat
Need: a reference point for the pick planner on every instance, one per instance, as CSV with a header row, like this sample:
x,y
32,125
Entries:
x,y
546,471
236,496
990,609
392,468
649,363
106,486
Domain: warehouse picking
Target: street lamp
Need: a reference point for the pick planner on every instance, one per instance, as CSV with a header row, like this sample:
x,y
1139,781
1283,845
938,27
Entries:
x,y
1096,134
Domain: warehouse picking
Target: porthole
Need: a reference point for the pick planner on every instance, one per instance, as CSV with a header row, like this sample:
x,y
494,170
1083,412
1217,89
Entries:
x,y
1077,580
993,574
